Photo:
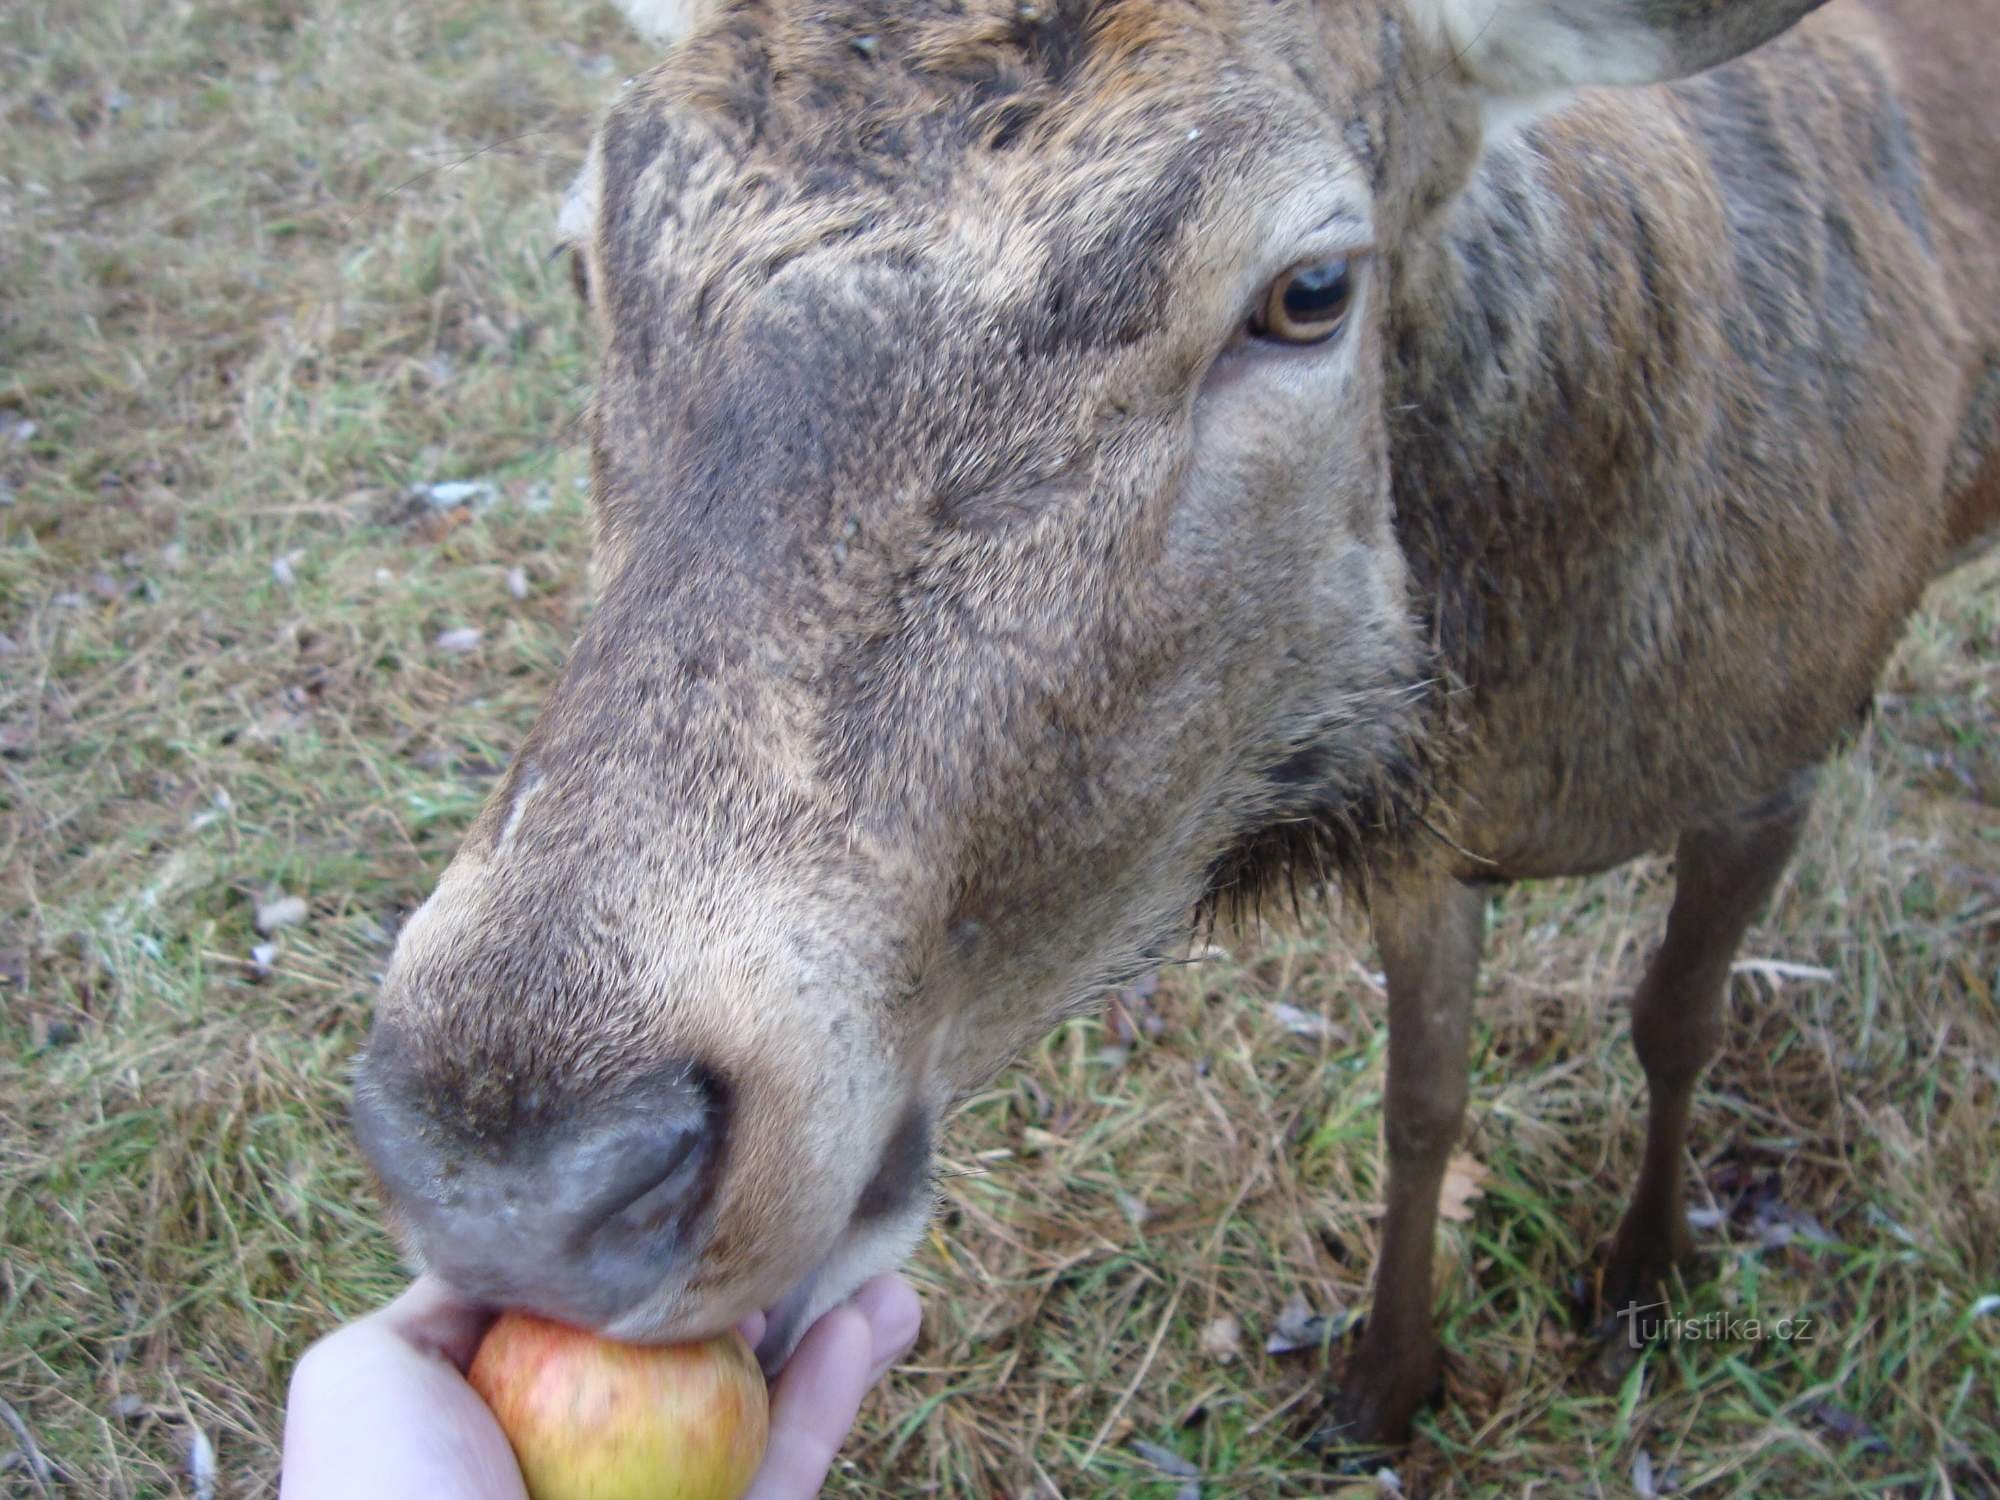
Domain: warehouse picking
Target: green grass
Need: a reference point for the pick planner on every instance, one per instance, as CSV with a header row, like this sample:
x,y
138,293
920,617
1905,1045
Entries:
x,y
265,265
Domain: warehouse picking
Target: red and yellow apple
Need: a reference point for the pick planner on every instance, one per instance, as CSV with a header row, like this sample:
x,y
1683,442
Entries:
x,y
591,1419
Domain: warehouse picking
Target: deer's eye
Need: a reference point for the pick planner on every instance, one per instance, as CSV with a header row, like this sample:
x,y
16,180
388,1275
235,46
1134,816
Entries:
x,y
1306,305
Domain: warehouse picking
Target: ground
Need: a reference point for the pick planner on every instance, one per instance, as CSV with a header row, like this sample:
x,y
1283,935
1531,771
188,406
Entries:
x,y
273,270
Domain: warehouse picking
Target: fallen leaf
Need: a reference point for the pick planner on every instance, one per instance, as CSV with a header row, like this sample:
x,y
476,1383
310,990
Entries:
x,y
452,493
1885,1223
1778,1224
1464,1179
1383,1484
201,1464
1222,1339
1294,1317
1777,970
280,912
1846,1425
435,525
1642,1476
273,725
1299,1327
460,641
263,959
1302,1022
1165,1459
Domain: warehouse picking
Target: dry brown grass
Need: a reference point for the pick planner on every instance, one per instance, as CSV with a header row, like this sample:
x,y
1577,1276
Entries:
x,y
265,264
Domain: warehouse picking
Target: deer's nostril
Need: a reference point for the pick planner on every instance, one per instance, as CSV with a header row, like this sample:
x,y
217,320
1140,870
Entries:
x,y
576,1208
645,1182
650,1167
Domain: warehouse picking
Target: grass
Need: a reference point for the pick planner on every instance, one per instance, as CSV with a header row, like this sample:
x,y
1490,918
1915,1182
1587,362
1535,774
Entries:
x,y
265,265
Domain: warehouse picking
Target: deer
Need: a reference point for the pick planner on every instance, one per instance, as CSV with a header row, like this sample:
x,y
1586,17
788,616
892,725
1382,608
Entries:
x,y
1062,466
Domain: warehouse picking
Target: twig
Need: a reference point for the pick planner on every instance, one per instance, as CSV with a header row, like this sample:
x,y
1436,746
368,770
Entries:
x,y
1146,1364
38,1466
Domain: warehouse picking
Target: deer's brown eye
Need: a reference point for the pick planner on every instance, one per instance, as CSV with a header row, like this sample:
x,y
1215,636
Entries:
x,y
1306,305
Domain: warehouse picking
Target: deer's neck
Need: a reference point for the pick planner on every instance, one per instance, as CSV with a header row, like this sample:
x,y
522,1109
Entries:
x,y
1539,368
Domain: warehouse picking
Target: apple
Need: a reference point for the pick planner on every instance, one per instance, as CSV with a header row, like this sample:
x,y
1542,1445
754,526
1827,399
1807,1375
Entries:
x,y
592,1419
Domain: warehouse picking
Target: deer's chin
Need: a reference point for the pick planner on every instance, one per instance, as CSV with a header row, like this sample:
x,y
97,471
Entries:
x,y
865,1251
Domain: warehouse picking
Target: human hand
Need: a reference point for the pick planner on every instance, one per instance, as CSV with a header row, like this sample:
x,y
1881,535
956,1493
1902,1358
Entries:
x,y
381,1408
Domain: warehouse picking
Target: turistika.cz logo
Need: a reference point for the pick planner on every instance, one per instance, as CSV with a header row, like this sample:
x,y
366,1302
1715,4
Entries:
x,y
1647,1322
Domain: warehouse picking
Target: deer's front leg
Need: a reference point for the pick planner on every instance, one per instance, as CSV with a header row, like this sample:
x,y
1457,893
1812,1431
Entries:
x,y
1722,877
1430,940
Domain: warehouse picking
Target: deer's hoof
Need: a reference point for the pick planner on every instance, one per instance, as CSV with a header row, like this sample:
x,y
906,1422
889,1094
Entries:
x,y
1631,1305
1367,1409
1634,1280
1610,1360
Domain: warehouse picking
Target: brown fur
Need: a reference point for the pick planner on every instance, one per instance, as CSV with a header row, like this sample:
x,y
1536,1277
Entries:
x,y
978,599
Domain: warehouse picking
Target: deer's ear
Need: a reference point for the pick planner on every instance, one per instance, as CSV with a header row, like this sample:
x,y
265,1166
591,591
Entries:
x,y
665,20
1520,49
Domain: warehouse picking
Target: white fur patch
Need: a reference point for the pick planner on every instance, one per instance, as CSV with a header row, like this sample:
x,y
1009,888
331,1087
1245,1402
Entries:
x,y
579,206
525,786
663,20
1506,116
573,218
1526,49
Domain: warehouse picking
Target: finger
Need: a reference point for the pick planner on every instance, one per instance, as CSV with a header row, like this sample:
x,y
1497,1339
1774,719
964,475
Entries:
x,y
813,1405
374,1412
894,1318
430,1316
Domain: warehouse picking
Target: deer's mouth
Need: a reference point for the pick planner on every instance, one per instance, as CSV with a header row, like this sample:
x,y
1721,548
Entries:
x,y
865,1251
887,1221
785,1321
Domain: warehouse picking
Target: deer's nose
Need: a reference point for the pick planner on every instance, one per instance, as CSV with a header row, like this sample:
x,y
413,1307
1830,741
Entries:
x,y
575,1210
